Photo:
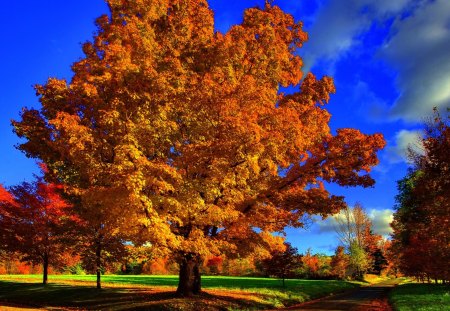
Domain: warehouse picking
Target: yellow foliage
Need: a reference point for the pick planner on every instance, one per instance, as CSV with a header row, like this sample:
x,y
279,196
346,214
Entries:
x,y
180,136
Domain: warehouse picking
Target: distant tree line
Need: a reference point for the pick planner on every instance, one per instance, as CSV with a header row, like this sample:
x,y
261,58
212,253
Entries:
x,y
41,232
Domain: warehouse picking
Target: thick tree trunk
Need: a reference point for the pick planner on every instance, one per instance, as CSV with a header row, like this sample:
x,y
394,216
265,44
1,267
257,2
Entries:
x,y
98,263
189,283
45,270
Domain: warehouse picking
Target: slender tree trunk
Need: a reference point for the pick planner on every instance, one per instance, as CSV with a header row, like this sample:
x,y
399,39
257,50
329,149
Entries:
x,y
8,266
45,268
98,263
189,283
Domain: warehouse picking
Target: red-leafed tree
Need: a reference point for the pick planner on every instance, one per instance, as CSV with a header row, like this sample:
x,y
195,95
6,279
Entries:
x,y
421,223
339,263
6,204
214,264
283,264
35,222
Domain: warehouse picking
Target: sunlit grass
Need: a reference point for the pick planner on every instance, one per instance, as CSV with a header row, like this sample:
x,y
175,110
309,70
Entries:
x,y
374,278
421,297
234,292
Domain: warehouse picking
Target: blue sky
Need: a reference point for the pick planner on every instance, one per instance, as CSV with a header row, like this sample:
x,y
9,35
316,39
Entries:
x,y
390,61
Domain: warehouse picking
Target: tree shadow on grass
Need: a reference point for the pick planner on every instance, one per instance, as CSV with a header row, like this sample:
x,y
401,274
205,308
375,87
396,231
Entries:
x,y
89,298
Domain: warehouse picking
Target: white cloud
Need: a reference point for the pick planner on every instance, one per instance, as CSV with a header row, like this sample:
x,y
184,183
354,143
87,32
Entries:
x,y
326,225
338,25
419,48
381,219
417,45
397,151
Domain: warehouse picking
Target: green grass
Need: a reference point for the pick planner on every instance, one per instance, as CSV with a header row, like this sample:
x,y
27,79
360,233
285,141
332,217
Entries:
x,y
222,292
421,297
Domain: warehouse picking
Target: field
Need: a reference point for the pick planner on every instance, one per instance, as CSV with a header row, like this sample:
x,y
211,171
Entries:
x,y
421,297
157,292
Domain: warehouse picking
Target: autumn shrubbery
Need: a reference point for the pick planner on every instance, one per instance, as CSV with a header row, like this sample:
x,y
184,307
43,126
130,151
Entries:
x,y
12,266
309,266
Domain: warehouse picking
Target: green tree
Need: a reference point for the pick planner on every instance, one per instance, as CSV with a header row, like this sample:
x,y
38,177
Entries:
x,y
359,260
354,229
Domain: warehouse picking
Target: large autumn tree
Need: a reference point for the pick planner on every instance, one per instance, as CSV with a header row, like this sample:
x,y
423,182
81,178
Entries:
x,y
421,223
184,134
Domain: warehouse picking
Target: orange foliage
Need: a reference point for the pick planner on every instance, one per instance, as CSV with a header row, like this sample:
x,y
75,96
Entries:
x,y
23,268
238,266
311,263
339,263
182,133
158,266
5,196
15,266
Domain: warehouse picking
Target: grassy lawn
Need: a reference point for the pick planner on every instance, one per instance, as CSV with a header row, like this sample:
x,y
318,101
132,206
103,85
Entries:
x,y
426,297
157,292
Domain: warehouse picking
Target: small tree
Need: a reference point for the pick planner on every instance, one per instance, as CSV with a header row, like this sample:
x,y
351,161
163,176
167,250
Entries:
x,y
99,250
311,265
339,263
354,229
7,206
283,264
359,260
353,225
379,261
214,264
35,224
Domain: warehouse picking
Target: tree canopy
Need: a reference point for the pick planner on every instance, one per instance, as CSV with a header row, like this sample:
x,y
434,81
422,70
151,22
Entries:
x,y
282,264
421,237
34,222
184,135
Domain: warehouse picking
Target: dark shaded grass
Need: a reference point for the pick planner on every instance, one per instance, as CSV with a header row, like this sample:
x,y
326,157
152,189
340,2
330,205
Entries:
x,y
421,297
207,281
89,298
146,293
